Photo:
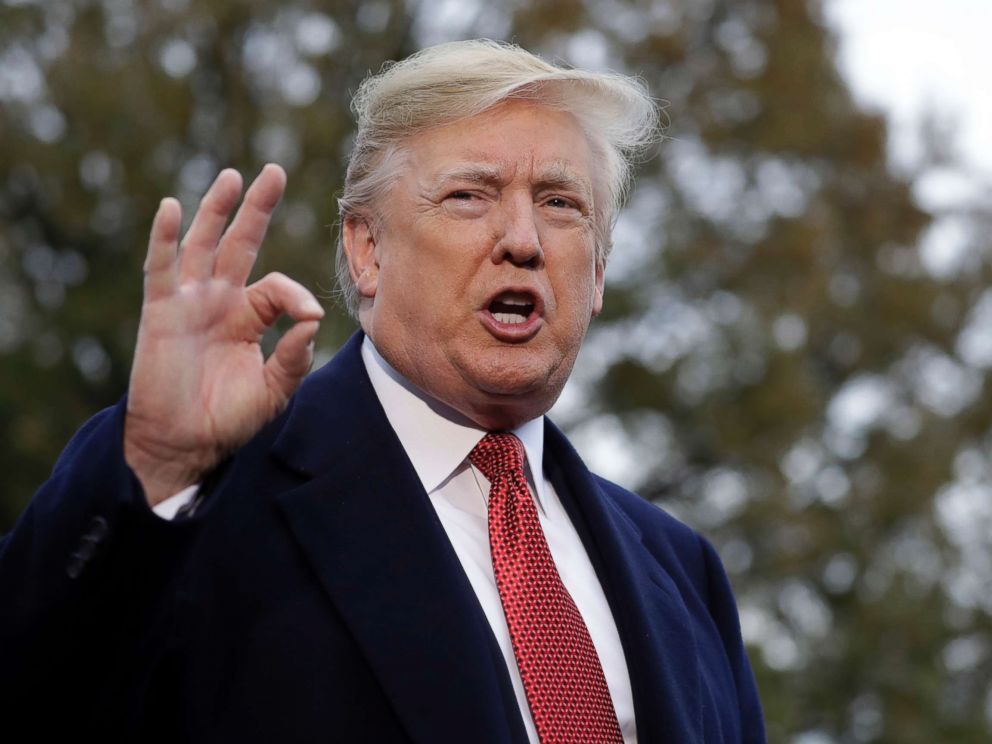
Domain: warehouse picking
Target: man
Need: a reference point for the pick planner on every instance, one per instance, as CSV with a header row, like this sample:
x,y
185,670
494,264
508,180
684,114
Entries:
x,y
401,548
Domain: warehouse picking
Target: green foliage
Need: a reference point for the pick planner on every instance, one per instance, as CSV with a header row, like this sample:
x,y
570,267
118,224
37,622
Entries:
x,y
113,106
780,362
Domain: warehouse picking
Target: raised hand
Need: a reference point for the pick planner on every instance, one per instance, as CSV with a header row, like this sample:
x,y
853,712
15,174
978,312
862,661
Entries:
x,y
200,386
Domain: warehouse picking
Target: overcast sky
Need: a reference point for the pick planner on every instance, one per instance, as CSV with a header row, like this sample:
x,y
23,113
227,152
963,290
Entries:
x,y
912,55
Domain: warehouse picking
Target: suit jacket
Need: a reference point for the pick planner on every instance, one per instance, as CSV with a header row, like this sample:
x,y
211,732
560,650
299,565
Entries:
x,y
314,596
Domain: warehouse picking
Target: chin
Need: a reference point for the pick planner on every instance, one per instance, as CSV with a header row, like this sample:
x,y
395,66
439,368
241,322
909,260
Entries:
x,y
534,381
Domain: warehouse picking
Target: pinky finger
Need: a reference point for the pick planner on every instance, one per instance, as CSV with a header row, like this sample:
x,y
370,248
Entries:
x,y
290,361
161,262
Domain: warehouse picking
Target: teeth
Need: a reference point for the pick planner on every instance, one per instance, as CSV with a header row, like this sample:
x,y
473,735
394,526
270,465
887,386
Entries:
x,y
513,318
512,308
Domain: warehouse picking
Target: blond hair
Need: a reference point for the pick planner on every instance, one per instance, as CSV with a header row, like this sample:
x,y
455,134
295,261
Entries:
x,y
448,82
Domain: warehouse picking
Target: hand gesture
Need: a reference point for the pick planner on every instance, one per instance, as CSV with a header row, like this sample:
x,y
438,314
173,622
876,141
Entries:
x,y
200,386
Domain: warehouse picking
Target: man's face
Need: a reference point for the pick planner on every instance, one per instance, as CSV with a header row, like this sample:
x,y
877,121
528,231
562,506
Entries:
x,y
482,278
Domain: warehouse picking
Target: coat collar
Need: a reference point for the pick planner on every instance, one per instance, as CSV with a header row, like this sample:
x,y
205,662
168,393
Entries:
x,y
436,438
379,550
651,616
365,523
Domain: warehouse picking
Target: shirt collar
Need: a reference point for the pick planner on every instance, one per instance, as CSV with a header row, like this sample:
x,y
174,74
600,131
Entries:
x,y
436,437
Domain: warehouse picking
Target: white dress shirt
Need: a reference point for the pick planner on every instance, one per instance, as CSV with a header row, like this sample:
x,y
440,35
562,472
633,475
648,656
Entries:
x,y
438,440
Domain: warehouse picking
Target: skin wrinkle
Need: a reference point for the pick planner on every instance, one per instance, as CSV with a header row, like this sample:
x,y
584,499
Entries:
x,y
556,179
556,176
505,232
614,113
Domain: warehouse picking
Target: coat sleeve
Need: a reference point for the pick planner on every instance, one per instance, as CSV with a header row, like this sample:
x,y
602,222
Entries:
x,y
84,582
723,609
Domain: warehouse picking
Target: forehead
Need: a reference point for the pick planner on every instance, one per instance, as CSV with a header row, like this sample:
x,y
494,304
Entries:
x,y
513,139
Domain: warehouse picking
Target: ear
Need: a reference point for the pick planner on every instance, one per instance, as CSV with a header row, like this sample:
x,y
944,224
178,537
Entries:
x,y
597,300
359,243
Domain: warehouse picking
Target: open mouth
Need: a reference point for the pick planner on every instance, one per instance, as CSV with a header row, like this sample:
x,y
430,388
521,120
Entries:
x,y
512,308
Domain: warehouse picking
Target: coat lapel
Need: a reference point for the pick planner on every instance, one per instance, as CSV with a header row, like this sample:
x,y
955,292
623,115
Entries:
x,y
653,621
380,552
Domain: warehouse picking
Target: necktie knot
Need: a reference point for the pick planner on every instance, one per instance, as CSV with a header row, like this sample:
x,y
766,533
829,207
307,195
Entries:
x,y
498,454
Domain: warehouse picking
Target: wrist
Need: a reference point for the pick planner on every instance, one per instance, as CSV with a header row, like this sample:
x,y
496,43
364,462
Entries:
x,y
159,486
162,476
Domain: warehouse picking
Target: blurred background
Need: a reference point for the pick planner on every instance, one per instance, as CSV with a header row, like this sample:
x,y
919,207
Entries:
x,y
795,351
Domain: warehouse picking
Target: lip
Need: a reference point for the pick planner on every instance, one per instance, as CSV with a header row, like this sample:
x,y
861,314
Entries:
x,y
513,333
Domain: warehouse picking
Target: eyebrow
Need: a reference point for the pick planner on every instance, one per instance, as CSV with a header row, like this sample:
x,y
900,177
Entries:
x,y
557,174
474,172
560,175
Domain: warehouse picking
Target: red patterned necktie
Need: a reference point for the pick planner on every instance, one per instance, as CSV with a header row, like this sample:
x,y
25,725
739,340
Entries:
x,y
562,676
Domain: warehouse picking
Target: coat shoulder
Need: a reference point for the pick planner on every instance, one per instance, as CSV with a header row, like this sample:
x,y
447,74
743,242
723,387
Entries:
x,y
656,525
686,555
640,509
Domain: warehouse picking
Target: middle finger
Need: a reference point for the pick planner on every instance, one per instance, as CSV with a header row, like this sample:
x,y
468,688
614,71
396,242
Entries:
x,y
200,243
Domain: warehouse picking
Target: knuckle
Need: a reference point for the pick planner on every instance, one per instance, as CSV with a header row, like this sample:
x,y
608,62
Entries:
x,y
280,281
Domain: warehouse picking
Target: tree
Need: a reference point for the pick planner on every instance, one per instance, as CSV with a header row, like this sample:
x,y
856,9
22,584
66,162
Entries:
x,y
108,107
790,362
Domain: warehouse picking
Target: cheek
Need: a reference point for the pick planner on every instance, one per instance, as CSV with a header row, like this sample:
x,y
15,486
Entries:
x,y
575,309
575,283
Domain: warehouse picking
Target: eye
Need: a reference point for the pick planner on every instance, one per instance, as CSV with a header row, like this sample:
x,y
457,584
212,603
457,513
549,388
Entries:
x,y
561,202
466,203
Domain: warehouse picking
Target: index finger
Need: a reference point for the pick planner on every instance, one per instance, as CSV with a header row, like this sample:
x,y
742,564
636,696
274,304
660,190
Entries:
x,y
240,244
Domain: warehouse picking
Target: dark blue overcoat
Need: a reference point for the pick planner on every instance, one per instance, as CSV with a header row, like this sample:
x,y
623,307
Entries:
x,y
315,597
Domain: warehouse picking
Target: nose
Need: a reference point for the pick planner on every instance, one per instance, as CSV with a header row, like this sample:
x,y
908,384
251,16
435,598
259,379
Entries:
x,y
518,239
